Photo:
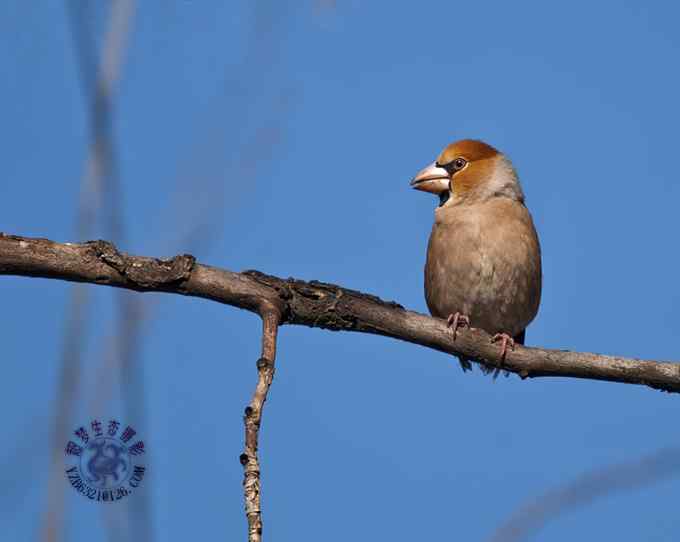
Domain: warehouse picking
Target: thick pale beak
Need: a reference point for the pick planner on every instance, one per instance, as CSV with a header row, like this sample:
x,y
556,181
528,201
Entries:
x,y
431,179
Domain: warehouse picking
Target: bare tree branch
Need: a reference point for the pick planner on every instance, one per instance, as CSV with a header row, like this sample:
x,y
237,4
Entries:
x,y
314,304
252,419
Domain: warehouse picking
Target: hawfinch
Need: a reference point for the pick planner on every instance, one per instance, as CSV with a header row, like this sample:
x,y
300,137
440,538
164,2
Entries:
x,y
483,265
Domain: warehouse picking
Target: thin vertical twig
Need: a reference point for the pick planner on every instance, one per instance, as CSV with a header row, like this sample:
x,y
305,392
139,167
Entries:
x,y
252,420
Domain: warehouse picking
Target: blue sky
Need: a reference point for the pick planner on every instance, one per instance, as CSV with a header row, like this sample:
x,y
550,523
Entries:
x,y
283,137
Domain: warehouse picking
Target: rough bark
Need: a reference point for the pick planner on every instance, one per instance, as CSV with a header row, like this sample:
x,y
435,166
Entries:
x,y
252,419
315,304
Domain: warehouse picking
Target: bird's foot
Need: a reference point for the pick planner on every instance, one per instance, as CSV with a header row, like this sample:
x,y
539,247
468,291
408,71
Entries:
x,y
507,340
457,320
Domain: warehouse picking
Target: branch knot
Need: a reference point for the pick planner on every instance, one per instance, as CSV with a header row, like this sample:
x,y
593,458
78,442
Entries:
x,y
143,272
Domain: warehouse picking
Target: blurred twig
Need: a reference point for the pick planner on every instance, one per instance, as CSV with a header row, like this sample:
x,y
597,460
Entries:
x,y
533,516
200,212
100,180
239,140
99,81
99,90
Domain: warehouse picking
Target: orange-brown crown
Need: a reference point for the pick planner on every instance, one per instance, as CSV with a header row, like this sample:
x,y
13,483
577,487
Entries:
x,y
469,149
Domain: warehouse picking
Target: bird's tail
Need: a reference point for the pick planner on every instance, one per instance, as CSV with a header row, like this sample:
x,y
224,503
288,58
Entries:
x,y
465,363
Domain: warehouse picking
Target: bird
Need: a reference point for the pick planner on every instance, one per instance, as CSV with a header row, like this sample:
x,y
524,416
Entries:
x,y
483,265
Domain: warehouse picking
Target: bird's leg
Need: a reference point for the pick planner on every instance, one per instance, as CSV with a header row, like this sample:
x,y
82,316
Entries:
x,y
457,320
506,340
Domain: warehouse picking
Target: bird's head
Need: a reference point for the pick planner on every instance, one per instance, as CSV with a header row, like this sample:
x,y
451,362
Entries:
x,y
469,169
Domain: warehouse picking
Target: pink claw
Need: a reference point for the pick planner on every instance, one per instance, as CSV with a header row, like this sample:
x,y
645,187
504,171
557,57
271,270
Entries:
x,y
507,340
457,320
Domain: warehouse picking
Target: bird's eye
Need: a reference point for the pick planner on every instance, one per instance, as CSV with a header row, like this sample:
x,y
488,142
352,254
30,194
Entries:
x,y
459,163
